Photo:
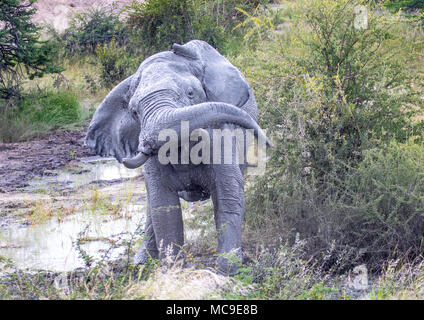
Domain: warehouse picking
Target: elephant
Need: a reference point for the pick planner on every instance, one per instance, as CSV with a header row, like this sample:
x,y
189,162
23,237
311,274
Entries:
x,y
195,83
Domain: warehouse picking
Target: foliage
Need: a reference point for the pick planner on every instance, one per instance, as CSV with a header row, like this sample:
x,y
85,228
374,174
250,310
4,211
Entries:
x,y
258,26
114,63
327,93
282,274
40,111
365,89
396,5
22,53
12,127
156,29
159,23
51,107
215,21
96,27
412,9
400,281
384,198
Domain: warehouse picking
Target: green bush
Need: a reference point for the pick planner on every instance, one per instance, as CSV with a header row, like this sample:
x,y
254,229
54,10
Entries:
x,y
37,112
22,54
12,128
413,9
396,5
156,24
258,25
365,88
327,93
329,89
90,29
159,23
115,63
383,202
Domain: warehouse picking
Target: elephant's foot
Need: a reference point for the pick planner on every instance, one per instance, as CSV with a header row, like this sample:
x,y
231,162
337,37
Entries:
x,y
228,263
143,255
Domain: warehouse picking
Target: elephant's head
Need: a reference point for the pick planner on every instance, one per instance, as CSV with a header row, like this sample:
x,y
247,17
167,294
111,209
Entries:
x,y
192,82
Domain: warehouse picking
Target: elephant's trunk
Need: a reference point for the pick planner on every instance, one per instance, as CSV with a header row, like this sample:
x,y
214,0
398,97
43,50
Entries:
x,y
135,162
203,115
208,115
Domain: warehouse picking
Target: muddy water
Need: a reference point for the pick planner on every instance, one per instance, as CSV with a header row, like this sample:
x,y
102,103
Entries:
x,y
91,170
52,245
114,206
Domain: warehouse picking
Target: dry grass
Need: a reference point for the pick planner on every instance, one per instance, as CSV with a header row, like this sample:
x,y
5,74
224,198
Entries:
x,y
400,281
178,284
44,210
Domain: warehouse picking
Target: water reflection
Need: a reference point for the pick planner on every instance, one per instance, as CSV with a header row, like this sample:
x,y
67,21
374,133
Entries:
x,y
51,245
91,170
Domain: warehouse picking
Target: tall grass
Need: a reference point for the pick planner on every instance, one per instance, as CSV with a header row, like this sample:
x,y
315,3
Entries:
x,y
39,112
66,100
52,108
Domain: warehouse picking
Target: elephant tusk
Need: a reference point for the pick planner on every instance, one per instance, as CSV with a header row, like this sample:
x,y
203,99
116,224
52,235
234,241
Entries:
x,y
135,162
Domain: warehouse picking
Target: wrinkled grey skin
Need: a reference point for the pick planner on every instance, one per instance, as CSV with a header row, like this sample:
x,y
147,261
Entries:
x,y
190,82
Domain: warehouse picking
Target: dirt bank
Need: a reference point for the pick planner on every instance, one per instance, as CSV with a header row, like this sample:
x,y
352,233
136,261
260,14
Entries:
x,y
21,161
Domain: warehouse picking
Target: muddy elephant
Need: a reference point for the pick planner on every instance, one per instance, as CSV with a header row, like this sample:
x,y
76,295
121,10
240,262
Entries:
x,y
195,84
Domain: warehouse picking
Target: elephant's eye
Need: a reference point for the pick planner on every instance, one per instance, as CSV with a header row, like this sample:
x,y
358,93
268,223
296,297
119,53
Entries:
x,y
190,94
134,114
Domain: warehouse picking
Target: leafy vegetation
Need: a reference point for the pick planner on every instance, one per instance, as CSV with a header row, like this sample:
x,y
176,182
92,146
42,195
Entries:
x,y
38,112
404,4
115,64
21,52
91,29
413,9
155,28
331,95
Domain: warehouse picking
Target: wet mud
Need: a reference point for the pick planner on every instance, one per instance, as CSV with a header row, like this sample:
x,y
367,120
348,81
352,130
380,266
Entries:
x,y
22,161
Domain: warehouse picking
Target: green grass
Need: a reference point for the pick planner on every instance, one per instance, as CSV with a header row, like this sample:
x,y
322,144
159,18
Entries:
x,y
40,112
52,107
65,101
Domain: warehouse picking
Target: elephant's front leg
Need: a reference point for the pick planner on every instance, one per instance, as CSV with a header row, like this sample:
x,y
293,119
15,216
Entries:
x,y
148,248
228,200
165,214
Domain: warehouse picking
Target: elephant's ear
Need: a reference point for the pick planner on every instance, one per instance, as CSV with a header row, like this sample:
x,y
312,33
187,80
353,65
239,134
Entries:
x,y
188,50
221,80
113,131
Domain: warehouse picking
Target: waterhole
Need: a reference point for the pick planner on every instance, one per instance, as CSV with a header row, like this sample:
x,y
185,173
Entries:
x,y
105,204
